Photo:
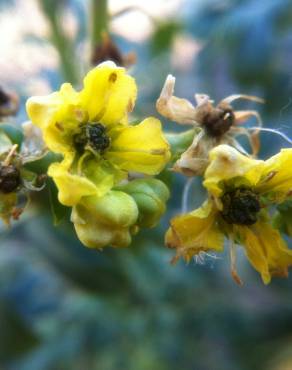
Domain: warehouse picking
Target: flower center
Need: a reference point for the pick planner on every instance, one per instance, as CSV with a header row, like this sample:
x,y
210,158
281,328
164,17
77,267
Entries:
x,y
240,206
93,135
9,178
218,121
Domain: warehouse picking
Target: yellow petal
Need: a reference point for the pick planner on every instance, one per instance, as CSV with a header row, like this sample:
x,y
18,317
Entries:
x,y
71,187
108,93
277,174
141,148
56,115
195,232
93,177
227,163
266,250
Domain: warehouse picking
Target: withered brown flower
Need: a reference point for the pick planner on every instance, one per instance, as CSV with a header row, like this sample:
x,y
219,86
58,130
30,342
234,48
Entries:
x,y
219,124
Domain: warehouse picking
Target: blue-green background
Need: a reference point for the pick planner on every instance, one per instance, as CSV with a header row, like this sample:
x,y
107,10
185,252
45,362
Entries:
x,y
65,307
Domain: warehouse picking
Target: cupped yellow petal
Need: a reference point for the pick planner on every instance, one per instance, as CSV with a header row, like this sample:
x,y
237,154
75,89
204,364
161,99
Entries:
x,y
227,163
90,177
71,187
141,148
265,250
108,93
277,175
195,232
56,115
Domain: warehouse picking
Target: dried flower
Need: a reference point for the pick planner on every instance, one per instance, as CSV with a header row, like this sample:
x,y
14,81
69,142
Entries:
x,y
219,125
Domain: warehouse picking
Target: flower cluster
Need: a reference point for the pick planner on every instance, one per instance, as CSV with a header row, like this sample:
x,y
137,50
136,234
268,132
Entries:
x,y
242,191
104,169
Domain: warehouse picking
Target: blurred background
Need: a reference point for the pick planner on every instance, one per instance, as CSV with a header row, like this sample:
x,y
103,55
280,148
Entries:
x,y
63,306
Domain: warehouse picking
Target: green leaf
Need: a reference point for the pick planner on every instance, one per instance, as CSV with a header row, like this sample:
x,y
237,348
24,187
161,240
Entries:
x,y
5,142
58,210
282,220
163,36
16,337
180,142
14,133
7,204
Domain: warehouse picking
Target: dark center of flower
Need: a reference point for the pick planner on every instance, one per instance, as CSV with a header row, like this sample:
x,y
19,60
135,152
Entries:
x,y
9,178
240,206
218,121
93,135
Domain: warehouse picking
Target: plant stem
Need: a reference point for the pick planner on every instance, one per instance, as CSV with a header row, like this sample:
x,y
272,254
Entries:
x,y
64,46
66,52
99,21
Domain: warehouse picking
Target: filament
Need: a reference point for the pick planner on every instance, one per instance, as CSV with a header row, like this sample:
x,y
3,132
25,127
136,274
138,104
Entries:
x,y
283,136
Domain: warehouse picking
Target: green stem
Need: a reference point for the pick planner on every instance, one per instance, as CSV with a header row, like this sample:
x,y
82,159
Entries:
x,y
66,53
64,46
99,21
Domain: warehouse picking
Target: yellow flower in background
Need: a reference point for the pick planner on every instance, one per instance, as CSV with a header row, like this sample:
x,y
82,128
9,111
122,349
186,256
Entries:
x,y
240,191
90,129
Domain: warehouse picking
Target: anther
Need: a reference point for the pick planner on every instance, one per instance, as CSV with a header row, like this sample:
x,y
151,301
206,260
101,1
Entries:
x,y
240,206
93,135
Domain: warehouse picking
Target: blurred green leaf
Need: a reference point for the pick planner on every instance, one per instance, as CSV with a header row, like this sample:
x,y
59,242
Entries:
x,y
283,218
179,142
14,133
59,211
5,142
163,36
52,10
16,337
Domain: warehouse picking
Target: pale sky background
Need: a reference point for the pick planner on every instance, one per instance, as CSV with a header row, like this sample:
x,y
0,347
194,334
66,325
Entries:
x,y
21,61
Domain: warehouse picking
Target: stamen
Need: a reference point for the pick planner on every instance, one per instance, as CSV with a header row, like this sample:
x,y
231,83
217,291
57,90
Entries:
x,y
92,136
285,137
240,206
10,155
233,270
186,193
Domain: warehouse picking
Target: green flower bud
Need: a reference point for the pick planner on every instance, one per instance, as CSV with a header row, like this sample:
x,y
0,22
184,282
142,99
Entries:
x,y
150,196
104,221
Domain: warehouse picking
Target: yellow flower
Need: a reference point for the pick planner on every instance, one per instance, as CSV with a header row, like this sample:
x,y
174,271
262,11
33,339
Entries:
x,y
240,190
90,129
